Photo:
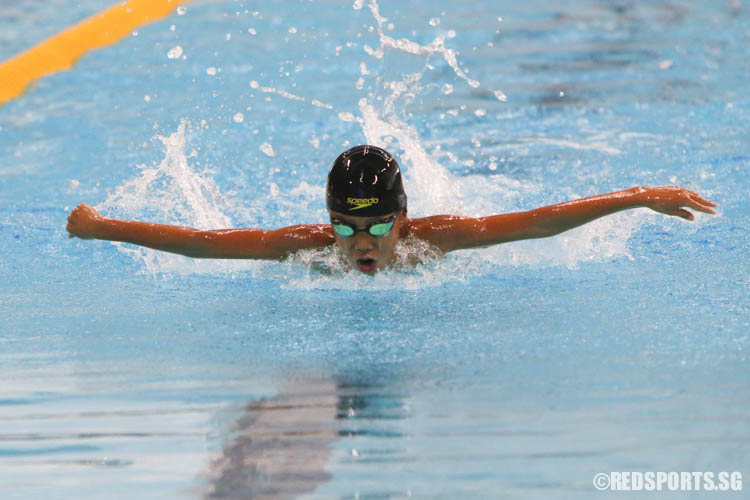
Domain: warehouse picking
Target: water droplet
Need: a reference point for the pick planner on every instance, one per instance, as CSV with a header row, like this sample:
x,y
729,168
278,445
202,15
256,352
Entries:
x,y
239,117
252,31
211,71
452,34
347,117
147,98
434,21
172,27
181,10
447,89
480,112
500,95
175,52
254,84
74,184
228,37
267,149
292,30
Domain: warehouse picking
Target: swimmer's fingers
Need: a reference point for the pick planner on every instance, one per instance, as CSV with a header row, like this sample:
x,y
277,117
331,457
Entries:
x,y
71,223
685,214
81,221
702,199
702,204
673,200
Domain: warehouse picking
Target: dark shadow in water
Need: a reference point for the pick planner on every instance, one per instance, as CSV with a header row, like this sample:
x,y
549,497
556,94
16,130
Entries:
x,y
280,446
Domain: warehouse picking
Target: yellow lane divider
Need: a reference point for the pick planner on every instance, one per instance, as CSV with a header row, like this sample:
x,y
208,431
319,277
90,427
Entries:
x,y
62,50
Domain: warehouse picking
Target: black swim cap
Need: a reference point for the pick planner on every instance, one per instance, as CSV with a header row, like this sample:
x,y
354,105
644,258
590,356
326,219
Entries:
x,y
365,181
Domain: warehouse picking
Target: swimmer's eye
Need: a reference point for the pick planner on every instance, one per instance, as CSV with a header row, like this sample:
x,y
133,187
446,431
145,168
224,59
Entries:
x,y
378,229
342,230
381,229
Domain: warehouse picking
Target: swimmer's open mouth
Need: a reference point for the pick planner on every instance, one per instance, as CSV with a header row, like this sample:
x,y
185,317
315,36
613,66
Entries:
x,y
367,265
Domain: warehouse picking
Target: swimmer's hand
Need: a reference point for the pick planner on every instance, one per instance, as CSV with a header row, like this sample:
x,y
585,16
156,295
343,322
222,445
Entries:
x,y
84,222
670,200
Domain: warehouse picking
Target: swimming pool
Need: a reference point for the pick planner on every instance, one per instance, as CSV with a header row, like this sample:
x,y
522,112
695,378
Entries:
x,y
519,371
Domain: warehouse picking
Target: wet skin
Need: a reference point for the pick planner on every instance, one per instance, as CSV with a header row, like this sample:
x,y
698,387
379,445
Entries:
x,y
363,251
369,254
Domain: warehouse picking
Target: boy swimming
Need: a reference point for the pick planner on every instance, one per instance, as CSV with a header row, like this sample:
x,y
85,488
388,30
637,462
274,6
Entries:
x,y
367,207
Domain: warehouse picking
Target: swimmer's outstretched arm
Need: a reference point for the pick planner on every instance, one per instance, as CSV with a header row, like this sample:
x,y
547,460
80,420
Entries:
x,y
86,223
455,233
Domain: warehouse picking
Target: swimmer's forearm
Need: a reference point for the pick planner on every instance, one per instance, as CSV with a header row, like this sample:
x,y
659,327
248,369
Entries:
x,y
555,219
222,244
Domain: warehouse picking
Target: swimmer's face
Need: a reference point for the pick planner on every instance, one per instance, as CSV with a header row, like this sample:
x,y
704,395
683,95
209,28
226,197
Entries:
x,y
363,251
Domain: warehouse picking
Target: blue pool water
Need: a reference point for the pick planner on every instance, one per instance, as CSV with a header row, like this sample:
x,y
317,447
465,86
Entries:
x,y
519,371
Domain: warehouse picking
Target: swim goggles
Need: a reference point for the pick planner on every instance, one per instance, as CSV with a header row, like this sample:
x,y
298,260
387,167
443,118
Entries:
x,y
378,228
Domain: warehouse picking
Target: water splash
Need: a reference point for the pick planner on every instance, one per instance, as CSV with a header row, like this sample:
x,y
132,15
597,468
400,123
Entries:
x,y
171,193
437,46
287,95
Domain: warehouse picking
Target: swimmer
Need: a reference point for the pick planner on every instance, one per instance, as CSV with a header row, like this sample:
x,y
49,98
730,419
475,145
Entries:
x,y
367,208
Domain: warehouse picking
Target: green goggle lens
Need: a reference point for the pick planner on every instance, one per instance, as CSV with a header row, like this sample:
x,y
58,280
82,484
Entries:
x,y
381,229
378,229
342,230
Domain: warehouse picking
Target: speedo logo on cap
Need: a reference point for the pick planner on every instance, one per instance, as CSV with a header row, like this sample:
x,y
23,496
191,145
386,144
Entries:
x,y
362,202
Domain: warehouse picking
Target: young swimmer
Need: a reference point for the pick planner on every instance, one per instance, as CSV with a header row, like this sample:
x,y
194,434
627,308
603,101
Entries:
x,y
367,207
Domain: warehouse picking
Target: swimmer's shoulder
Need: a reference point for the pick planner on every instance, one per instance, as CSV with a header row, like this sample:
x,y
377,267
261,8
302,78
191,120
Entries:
x,y
443,232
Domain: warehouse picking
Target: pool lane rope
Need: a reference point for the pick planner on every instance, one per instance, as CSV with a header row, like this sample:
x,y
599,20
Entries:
x,y
61,51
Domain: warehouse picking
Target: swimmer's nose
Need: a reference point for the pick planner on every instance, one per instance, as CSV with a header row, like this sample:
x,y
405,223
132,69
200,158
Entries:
x,y
363,242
